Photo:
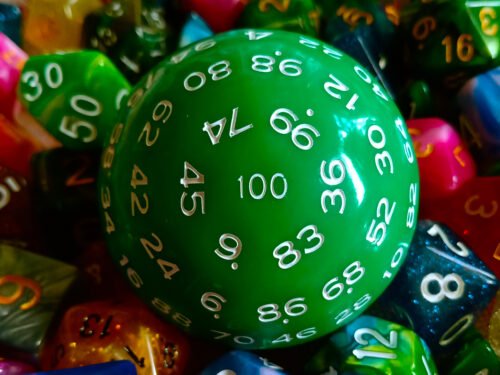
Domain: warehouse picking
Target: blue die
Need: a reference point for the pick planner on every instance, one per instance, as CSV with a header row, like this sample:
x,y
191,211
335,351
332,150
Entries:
x,y
480,119
10,22
194,29
242,363
110,368
440,289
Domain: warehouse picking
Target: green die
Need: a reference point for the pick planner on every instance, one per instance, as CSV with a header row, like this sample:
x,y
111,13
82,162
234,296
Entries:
x,y
75,95
144,46
475,357
452,49
373,346
31,290
245,165
301,16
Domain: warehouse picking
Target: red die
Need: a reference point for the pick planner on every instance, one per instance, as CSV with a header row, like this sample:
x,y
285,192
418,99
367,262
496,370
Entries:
x,y
16,216
220,15
16,149
473,212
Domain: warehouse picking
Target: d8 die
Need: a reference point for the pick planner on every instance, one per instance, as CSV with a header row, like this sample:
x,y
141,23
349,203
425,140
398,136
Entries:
x,y
441,288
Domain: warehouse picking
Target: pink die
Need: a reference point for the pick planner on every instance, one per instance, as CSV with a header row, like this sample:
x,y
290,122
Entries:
x,y
12,60
14,368
443,158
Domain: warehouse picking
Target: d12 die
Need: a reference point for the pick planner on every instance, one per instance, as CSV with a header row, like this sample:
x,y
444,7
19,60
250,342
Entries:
x,y
372,345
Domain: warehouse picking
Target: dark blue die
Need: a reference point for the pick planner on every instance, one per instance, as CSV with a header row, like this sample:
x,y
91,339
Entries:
x,y
366,34
440,289
110,368
242,363
10,22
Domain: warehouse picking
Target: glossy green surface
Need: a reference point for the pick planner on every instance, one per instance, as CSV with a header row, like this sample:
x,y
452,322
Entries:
x,y
373,346
74,95
476,357
261,189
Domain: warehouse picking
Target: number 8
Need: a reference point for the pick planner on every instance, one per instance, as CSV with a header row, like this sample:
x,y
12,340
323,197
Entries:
x,y
444,291
352,269
290,251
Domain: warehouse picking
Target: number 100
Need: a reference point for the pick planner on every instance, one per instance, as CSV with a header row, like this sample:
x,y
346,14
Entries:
x,y
257,186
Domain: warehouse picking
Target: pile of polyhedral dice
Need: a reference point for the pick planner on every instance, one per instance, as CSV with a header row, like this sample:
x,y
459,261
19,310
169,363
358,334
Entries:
x,y
170,171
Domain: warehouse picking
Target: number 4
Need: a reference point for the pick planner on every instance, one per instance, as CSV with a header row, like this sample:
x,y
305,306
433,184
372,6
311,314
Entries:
x,y
256,35
208,127
198,178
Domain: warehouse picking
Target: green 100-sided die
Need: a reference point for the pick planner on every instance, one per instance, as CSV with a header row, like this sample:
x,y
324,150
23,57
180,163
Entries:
x,y
261,189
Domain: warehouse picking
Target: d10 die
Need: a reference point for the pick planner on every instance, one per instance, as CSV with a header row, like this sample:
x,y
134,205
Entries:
x,y
74,95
